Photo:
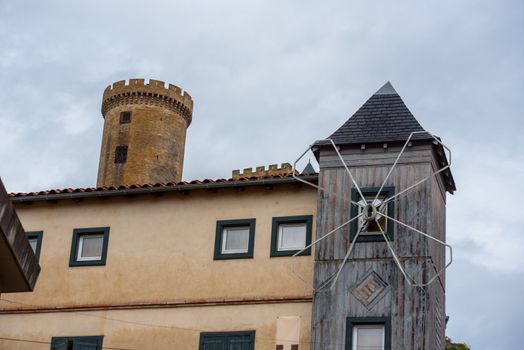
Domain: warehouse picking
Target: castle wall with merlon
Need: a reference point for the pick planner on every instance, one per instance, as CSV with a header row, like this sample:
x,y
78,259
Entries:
x,y
260,171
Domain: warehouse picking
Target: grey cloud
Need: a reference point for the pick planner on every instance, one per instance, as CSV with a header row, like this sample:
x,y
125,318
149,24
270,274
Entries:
x,y
270,77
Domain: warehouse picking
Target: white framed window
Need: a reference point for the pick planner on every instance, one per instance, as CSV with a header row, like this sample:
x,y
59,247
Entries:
x,y
368,337
90,247
292,236
235,240
368,333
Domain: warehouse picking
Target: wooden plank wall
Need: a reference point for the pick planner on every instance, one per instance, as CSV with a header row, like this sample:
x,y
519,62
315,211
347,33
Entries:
x,y
416,315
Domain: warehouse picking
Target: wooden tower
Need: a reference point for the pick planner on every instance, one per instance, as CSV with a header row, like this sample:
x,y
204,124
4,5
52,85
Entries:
x,y
372,305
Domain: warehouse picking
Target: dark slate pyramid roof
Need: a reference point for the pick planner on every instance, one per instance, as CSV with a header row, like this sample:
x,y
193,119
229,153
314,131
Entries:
x,y
383,118
308,170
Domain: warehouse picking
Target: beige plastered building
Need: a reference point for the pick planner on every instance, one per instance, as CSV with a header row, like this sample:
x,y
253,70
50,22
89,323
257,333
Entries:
x,y
160,286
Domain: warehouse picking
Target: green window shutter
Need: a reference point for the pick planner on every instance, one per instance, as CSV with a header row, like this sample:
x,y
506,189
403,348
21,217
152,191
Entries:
x,y
77,343
87,343
213,342
240,342
227,341
59,344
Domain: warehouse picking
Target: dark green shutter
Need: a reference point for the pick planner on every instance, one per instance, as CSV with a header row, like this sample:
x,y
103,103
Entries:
x,y
77,343
227,341
240,342
59,344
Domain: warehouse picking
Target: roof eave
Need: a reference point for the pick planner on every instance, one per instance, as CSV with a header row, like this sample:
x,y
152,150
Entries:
x,y
162,189
447,176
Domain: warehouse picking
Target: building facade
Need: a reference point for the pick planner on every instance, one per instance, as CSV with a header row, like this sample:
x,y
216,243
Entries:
x,y
156,263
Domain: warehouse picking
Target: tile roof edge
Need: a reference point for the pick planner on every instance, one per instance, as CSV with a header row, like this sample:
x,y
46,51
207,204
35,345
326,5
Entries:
x,y
148,188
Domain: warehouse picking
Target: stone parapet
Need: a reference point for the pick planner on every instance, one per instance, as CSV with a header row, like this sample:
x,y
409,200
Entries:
x,y
261,171
155,92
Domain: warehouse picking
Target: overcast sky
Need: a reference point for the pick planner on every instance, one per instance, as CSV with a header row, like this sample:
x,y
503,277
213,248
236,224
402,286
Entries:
x,y
268,78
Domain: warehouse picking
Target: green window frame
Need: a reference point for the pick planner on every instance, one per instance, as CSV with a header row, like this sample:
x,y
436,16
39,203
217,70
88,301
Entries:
x,y
244,340
78,235
298,219
351,322
222,226
77,343
36,235
372,191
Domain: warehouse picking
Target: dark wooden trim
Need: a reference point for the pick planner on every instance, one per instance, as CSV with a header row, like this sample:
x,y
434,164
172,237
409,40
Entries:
x,y
352,321
77,233
355,196
307,219
160,305
17,253
38,235
221,224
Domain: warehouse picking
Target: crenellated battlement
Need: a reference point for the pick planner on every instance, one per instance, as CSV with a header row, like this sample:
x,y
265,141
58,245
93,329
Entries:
x,y
137,91
261,171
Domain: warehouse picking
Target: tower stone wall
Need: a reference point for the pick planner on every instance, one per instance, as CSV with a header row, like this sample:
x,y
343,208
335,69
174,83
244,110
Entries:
x,y
144,133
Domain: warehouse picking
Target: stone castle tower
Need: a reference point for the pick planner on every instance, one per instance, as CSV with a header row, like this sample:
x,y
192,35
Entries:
x,y
144,133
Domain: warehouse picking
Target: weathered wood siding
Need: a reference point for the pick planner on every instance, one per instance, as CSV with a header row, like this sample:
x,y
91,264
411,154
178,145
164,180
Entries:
x,y
416,315
19,268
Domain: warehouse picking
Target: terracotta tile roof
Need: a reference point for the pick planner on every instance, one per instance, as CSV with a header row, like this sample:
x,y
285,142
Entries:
x,y
69,193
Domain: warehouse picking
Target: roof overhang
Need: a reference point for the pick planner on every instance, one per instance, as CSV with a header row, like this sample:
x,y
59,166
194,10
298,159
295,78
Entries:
x,y
438,151
19,267
132,190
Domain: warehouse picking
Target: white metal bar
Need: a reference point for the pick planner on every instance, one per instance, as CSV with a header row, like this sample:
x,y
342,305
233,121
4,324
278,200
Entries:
x,y
396,161
318,187
395,257
293,270
432,238
360,229
427,177
410,280
347,169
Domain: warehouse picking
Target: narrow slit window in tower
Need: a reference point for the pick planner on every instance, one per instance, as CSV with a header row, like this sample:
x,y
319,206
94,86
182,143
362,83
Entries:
x,y
121,154
125,117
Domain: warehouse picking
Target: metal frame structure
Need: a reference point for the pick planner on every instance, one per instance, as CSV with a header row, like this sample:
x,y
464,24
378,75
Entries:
x,y
370,212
